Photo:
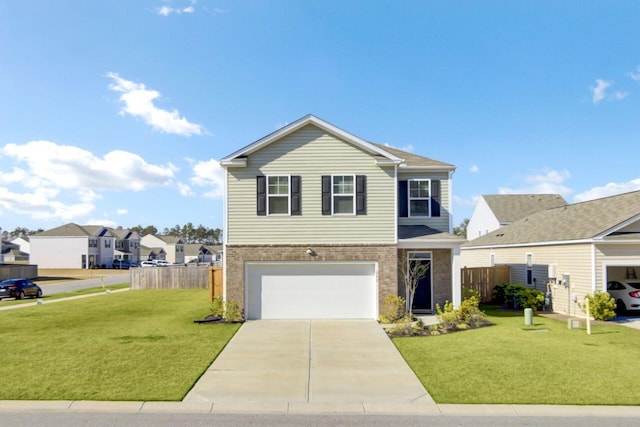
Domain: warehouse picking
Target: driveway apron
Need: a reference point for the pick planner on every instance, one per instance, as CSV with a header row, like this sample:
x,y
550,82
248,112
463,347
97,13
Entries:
x,y
312,361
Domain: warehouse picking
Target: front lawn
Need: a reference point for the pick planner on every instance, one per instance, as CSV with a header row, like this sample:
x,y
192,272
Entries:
x,y
137,345
542,364
50,297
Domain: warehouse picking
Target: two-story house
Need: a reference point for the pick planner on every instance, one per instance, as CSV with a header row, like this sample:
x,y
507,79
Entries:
x,y
127,244
72,246
173,246
321,224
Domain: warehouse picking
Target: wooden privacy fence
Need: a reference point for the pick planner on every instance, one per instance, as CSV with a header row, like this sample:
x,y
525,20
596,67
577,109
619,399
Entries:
x,y
173,277
18,271
484,279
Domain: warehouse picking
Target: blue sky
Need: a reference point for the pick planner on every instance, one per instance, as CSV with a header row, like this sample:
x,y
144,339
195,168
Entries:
x,y
116,112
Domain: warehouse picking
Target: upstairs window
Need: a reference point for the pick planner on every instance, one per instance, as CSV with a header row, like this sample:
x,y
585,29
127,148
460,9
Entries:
x,y
419,197
93,243
343,194
278,195
107,243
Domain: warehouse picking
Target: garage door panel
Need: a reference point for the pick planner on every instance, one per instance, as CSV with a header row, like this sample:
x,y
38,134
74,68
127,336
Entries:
x,y
318,290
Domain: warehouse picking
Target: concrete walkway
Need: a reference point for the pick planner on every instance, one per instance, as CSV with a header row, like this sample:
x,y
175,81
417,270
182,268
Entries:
x,y
309,363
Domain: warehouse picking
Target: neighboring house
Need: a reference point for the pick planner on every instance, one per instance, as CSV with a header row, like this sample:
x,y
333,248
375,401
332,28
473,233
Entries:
x,y
199,253
320,223
23,244
72,246
127,244
10,252
497,210
588,243
147,253
173,246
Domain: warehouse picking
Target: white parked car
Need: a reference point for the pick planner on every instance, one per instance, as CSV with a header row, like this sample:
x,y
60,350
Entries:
x,y
161,263
147,264
626,295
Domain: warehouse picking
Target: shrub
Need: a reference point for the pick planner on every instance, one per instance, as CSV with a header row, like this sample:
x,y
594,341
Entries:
x,y
217,307
393,309
601,306
447,316
518,296
232,312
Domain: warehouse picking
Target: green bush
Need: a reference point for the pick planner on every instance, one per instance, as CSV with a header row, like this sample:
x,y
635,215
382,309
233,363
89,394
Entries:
x,y
468,315
601,306
518,296
217,307
232,312
393,309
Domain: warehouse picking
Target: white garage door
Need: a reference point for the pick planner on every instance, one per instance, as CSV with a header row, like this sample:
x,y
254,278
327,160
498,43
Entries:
x,y
317,290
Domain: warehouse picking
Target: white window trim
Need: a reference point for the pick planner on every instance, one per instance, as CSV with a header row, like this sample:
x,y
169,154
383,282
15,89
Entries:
x,y
288,196
353,195
409,198
528,261
428,256
492,259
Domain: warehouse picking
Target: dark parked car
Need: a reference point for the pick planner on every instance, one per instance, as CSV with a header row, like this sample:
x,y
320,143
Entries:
x,y
19,288
123,263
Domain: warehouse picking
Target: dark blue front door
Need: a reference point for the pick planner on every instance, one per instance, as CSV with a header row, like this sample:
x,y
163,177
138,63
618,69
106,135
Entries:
x,y
422,299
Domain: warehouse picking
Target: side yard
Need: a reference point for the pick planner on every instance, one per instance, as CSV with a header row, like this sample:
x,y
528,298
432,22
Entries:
x,y
510,363
137,345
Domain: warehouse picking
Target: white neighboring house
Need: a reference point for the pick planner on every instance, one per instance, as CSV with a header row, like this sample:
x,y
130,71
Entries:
x,y
73,246
173,246
199,253
498,210
23,244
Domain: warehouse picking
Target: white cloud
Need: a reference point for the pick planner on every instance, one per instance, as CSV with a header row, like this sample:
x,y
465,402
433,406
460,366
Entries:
x,y
185,190
209,174
466,202
474,169
547,181
600,90
122,211
609,189
138,102
64,182
168,10
634,76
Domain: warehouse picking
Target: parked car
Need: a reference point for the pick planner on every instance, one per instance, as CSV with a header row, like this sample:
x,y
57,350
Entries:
x,y
161,263
147,264
123,263
626,294
19,288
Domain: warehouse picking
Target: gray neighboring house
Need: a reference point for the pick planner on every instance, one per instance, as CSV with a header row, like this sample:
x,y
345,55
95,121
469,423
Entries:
x,y
172,246
569,251
320,223
127,244
150,254
497,210
10,252
199,253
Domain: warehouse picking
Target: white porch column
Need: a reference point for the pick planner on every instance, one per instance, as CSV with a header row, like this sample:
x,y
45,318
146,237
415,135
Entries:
x,y
456,284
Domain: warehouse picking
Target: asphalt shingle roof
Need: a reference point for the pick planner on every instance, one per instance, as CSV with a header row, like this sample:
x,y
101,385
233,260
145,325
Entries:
x,y
512,207
579,221
413,160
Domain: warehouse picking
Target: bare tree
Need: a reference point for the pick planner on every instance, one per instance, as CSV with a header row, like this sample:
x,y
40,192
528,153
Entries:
x,y
412,274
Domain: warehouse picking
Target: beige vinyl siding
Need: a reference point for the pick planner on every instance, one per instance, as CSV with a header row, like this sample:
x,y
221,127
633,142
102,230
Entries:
x,y
310,153
572,259
441,222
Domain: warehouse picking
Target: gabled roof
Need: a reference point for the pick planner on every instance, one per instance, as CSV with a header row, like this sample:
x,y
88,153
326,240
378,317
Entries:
x,y
511,207
411,160
172,240
122,233
594,219
73,230
147,251
238,158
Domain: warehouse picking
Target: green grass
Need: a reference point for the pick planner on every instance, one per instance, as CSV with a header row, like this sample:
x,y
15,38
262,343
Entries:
x,y
46,297
137,345
512,364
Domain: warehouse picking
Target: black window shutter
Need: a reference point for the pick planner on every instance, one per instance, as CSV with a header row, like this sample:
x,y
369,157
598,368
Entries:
x,y
326,195
261,185
296,209
361,195
403,208
435,197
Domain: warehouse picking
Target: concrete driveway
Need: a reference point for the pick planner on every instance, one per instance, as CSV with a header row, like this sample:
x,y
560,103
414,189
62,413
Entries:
x,y
309,361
